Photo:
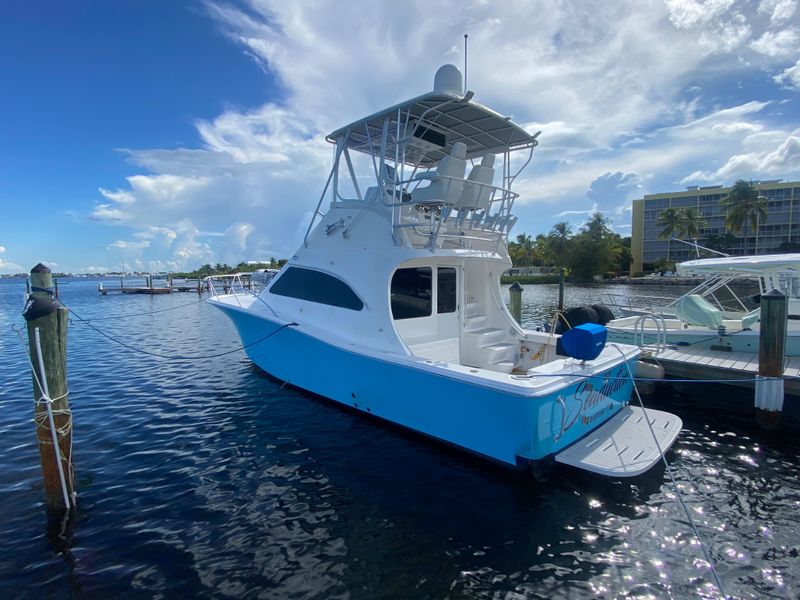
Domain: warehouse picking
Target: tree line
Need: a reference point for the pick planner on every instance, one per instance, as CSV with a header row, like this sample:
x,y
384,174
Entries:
x,y
226,269
593,250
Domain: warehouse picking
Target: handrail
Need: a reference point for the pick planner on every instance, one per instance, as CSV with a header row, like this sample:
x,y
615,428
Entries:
x,y
661,331
232,284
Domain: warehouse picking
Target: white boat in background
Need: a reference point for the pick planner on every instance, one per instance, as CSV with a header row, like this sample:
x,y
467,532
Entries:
x,y
392,304
712,315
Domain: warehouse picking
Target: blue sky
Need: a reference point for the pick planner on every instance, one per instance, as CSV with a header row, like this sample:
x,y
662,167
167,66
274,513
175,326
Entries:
x,y
169,134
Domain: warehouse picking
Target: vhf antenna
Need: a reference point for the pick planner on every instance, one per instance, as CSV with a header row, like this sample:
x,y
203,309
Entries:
x,y
465,63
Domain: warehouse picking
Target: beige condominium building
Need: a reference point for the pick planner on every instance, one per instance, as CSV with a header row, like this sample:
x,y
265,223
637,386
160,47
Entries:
x,y
782,224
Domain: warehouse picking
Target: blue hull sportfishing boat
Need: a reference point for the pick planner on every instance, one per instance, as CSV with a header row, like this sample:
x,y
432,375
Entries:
x,y
392,304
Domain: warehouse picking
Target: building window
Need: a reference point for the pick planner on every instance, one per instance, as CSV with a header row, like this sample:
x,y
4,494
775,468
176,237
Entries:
x,y
446,290
412,293
315,286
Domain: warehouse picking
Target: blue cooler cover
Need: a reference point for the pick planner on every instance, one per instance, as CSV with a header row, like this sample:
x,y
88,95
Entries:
x,y
584,342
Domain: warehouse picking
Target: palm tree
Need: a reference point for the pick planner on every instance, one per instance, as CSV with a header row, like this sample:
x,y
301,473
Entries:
x,y
691,222
671,221
526,244
745,205
558,240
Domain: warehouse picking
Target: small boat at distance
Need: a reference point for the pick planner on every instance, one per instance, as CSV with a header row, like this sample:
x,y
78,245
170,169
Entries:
x,y
392,306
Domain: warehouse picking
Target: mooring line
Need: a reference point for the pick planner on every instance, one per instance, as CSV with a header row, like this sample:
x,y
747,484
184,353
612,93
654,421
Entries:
x,y
83,321
675,488
150,312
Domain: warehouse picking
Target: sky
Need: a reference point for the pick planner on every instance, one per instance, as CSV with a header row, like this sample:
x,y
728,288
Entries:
x,y
166,135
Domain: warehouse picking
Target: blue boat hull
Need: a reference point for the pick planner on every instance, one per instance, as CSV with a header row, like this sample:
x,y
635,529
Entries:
x,y
506,427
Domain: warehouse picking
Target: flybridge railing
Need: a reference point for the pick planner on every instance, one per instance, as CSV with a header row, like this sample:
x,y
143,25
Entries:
x,y
463,209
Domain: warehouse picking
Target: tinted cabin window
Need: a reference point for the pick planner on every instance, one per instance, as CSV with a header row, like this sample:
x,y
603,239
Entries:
x,y
412,293
316,286
446,290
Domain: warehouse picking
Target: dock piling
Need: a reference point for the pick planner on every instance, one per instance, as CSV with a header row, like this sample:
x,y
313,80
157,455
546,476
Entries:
x,y
515,298
47,320
561,290
769,385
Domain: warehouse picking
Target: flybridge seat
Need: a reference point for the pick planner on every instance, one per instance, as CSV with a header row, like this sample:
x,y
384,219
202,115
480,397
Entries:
x,y
475,196
447,181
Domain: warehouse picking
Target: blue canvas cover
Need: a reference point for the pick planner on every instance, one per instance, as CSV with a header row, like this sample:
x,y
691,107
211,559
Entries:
x,y
584,342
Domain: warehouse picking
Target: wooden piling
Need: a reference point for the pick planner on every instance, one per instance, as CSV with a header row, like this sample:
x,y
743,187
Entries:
x,y
561,290
769,388
515,298
47,321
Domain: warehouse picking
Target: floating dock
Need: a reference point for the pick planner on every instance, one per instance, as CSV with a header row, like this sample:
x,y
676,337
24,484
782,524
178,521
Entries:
x,y
154,287
688,362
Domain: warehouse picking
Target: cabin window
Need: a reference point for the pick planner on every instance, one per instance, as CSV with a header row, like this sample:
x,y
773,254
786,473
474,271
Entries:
x,y
315,286
412,293
446,293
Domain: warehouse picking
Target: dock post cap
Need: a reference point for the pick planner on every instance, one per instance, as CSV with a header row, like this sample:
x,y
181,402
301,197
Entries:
x,y
40,268
773,295
516,287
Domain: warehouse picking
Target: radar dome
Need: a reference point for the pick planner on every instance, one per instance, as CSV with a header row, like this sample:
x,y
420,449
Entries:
x,y
448,80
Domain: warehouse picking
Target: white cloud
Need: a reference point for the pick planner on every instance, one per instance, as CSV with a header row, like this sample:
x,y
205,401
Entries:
x,y
606,83
790,76
125,245
778,43
785,158
691,13
588,212
119,196
779,11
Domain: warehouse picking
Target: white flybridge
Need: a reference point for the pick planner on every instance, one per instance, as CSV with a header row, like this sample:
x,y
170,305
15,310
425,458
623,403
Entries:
x,y
392,304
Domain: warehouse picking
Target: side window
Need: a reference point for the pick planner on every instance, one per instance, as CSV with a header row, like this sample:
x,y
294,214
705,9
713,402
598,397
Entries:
x,y
412,293
446,291
315,286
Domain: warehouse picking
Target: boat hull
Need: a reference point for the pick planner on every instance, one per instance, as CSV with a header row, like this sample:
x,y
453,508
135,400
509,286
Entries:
x,y
507,427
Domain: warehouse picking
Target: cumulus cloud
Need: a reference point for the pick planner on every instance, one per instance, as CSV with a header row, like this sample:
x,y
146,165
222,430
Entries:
x,y
779,11
607,84
752,165
778,43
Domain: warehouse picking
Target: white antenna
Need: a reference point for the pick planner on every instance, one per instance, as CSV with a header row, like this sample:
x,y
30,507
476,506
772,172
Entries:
x,y
465,62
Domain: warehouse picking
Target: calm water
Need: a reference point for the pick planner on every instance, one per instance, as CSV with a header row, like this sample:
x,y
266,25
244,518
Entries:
x,y
206,479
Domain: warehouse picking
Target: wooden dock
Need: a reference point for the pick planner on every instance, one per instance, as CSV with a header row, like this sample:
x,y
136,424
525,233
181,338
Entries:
x,y
154,287
688,362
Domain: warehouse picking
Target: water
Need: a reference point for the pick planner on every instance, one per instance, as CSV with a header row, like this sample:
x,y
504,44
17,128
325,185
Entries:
x,y
207,479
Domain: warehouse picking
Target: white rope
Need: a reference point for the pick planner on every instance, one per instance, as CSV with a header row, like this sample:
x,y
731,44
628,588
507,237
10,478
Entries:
x,y
41,382
672,479
50,418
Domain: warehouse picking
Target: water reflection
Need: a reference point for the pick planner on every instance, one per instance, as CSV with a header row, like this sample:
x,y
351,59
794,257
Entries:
x,y
210,479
